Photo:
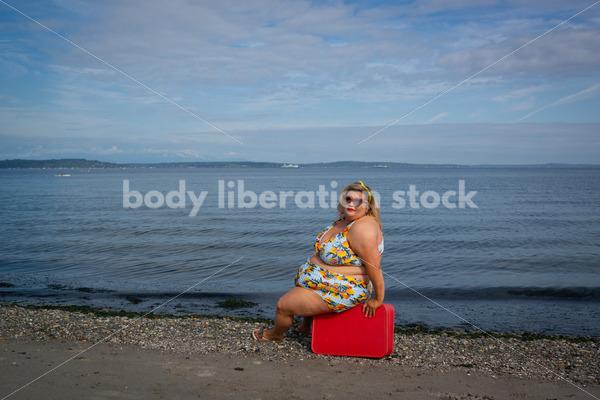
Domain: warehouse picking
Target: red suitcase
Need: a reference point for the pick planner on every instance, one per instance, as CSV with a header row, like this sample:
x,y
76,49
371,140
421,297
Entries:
x,y
349,333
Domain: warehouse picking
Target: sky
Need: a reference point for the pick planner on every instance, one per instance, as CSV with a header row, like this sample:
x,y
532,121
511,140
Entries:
x,y
431,81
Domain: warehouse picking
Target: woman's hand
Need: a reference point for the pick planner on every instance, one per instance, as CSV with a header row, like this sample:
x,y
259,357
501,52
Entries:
x,y
370,306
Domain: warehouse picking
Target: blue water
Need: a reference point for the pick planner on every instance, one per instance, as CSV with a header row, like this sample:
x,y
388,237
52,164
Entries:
x,y
526,258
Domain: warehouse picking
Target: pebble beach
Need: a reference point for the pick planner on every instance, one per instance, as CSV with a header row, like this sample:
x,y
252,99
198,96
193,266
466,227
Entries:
x,y
540,358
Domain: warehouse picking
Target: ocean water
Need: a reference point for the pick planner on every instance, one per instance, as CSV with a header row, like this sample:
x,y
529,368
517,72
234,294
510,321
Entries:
x,y
522,253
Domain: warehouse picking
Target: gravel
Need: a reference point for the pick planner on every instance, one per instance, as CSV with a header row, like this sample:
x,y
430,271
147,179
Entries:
x,y
547,358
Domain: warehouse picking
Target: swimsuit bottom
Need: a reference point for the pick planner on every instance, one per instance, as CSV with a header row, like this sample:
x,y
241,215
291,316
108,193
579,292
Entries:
x,y
340,292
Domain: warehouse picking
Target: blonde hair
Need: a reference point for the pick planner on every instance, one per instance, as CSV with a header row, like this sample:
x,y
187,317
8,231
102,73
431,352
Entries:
x,y
373,208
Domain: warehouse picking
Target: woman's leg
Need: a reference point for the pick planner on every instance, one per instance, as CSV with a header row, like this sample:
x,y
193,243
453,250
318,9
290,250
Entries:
x,y
306,326
298,301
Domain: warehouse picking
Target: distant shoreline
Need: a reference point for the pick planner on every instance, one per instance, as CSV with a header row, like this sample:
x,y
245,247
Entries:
x,y
77,163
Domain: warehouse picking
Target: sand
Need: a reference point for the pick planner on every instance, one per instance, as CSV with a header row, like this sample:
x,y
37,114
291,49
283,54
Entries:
x,y
59,354
41,370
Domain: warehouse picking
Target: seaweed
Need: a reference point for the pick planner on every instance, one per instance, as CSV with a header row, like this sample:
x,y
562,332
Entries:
x,y
236,303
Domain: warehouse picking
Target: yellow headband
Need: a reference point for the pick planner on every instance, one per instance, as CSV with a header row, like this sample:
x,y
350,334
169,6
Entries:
x,y
367,189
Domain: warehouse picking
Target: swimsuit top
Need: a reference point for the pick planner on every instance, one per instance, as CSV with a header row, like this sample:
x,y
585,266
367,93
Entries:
x,y
337,251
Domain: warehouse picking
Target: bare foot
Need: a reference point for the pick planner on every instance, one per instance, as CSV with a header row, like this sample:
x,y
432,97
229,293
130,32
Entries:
x,y
266,334
303,328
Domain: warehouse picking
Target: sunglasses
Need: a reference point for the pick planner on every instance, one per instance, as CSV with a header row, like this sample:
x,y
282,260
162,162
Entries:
x,y
356,202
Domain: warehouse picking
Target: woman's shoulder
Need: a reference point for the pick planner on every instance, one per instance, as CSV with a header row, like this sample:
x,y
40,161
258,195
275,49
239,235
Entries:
x,y
364,232
367,220
367,224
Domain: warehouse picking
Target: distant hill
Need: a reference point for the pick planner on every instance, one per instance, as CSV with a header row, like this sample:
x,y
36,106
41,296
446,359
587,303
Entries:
x,y
206,164
383,164
79,163
61,163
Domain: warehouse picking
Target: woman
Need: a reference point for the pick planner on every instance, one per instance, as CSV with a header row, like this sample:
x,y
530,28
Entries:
x,y
343,272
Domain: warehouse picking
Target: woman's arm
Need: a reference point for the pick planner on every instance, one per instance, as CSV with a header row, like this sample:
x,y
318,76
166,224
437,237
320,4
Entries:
x,y
364,238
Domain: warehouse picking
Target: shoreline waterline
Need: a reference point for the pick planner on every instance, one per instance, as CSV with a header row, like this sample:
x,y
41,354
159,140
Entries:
x,y
431,312
410,329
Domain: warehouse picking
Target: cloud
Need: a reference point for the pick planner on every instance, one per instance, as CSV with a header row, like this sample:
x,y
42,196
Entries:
x,y
112,150
519,143
437,117
287,76
519,93
256,64
566,52
177,153
433,143
581,95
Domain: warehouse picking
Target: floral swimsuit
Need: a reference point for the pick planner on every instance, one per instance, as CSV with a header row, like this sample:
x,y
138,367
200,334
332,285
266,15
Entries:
x,y
340,292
